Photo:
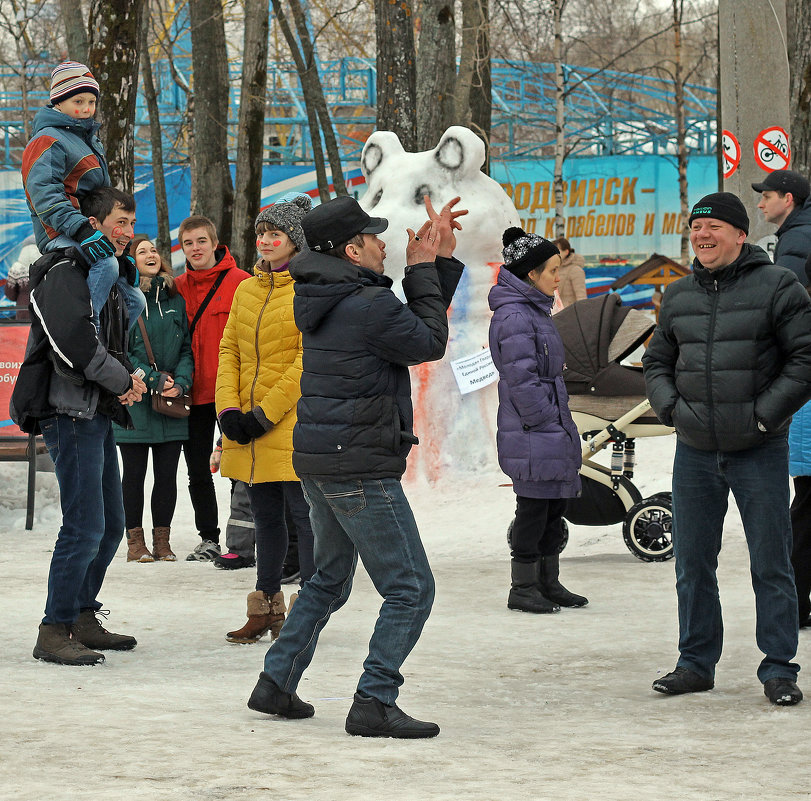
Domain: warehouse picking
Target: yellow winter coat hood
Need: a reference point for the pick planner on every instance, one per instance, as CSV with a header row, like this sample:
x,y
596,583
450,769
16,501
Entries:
x,y
260,365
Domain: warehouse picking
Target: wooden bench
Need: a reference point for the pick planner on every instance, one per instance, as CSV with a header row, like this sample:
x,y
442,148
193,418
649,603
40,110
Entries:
x,y
29,449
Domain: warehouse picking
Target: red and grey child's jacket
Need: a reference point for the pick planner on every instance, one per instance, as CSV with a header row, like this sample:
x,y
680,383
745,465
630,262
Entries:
x,y
62,163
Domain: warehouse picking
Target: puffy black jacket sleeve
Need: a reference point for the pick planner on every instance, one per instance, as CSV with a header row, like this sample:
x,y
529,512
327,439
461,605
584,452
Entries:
x,y
62,303
416,331
791,389
659,366
449,272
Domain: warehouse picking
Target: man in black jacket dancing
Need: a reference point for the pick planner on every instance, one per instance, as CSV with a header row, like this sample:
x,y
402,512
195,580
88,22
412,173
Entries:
x,y
73,383
728,365
354,432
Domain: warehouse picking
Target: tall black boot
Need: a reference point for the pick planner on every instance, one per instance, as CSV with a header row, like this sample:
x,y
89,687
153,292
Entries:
x,y
550,586
524,594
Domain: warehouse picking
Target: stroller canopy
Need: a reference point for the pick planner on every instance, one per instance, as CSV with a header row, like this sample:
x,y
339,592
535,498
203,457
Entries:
x,y
597,334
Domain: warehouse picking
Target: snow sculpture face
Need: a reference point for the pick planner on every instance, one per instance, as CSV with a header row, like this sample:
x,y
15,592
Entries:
x,y
457,432
396,182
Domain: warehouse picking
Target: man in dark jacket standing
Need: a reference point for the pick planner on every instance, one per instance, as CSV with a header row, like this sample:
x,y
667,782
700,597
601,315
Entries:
x,y
728,365
785,202
353,435
73,383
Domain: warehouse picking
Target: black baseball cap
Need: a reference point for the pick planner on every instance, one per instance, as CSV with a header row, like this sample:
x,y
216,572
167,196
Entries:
x,y
337,221
785,181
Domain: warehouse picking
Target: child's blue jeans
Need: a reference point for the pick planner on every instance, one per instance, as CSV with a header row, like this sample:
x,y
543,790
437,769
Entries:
x,y
103,274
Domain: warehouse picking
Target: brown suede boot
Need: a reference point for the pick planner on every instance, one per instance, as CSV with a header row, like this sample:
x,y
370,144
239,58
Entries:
x,y
54,644
160,544
89,632
264,614
136,547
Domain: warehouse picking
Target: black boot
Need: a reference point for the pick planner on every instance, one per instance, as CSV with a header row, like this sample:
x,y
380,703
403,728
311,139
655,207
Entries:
x,y
370,717
550,586
269,698
524,594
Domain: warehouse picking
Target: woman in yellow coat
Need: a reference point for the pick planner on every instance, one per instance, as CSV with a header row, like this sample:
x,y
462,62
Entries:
x,y
257,391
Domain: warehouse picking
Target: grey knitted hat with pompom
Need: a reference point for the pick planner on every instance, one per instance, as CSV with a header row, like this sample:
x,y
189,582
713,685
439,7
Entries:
x,y
286,214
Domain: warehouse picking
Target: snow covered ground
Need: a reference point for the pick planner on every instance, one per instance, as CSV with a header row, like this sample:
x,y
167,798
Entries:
x,y
551,707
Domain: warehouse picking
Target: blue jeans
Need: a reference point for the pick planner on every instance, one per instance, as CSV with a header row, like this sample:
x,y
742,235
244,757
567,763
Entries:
x,y
370,518
758,478
103,274
86,466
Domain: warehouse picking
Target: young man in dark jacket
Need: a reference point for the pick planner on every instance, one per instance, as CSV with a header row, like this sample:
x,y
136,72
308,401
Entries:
x,y
728,365
785,202
354,432
73,383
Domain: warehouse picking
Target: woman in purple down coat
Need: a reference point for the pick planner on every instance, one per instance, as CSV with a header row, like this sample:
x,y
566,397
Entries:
x,y
538,444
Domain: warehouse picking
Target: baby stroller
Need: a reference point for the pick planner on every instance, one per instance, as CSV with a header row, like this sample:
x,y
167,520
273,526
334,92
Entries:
x,y
608,404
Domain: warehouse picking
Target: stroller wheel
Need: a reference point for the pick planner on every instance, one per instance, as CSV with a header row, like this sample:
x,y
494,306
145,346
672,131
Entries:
x,y
564,530
648,529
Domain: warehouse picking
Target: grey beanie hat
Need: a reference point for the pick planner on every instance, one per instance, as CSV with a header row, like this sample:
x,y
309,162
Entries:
x,y
286,214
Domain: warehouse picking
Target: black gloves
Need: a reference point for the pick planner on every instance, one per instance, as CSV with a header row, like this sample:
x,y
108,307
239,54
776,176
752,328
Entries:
x,y
231,426
252,426
94,244
242,427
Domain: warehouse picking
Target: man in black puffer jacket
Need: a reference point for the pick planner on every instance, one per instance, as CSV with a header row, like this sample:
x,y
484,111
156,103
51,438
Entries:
x,y
354,432
786,203
728,365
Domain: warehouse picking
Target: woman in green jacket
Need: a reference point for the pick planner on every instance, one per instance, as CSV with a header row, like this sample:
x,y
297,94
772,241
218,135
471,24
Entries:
x,y
167,328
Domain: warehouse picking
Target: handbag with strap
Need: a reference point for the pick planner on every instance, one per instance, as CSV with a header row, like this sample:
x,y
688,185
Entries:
x,y
179,406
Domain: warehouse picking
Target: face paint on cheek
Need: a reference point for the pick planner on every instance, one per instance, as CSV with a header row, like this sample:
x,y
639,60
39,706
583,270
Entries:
x,y
117,231
258,244
277,242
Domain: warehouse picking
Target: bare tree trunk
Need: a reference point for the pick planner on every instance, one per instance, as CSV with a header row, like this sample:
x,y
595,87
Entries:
x,y
251,131
316,97
481,83
213,190
436,72
113,60
681,130
312,115
799,59
75,19
396,70
164,242
558,7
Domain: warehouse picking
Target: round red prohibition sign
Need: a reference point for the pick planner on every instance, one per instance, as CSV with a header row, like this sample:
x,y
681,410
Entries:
x,y
732,153
772,151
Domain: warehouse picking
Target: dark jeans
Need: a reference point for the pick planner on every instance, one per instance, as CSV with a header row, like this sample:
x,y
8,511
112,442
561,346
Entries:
x,y
86,466
268,500
758,478
801,552
370,518
134,457
537,529
197,451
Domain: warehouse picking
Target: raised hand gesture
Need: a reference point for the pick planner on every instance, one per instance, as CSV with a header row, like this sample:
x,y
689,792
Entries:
x,y
447,223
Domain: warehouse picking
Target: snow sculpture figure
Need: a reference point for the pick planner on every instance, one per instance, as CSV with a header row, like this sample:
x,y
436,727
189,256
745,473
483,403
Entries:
x,y
457,432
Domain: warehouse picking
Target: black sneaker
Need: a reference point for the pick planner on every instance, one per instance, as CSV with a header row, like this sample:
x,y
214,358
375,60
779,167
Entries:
x,y
369,717
290,574
682,680
782,691
267,697
233,561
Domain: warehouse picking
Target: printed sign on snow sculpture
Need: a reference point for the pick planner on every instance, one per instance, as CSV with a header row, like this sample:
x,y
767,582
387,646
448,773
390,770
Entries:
x,y
457,433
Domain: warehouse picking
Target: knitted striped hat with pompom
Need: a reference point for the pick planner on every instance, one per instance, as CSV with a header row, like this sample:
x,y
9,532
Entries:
x,y
71,78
